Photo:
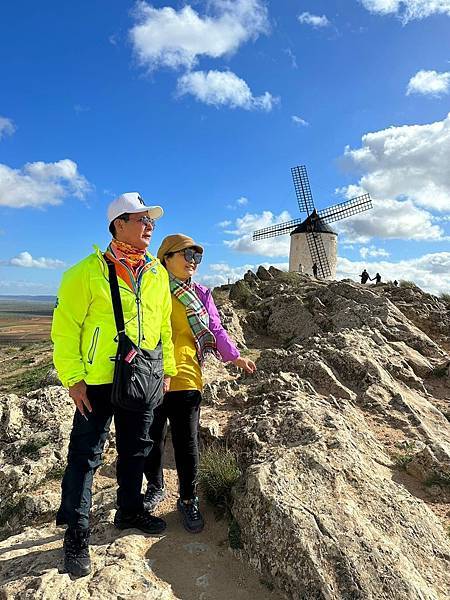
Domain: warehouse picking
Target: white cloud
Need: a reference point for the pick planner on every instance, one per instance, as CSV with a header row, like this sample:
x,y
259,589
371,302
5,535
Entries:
x,y
292,56
24,259
408,10
170,38
431,272
223,88
299,121
222,273
224,224
407,162
316,21
366,251
23,287
241,201
39,183
392,219
80,108
429,83
7,127
246,225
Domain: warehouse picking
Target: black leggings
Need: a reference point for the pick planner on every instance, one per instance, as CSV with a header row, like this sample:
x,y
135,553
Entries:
x,y
182,410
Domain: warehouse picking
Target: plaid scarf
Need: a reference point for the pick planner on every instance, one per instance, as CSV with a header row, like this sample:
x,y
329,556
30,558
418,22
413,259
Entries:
x,y
197,316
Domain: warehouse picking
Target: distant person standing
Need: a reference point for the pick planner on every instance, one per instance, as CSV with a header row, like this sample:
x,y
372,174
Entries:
x,y
364,276
395,282
377,279
315,270
301,268
85,335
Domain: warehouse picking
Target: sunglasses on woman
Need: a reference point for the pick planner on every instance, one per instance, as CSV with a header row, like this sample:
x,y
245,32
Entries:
x,y
190,254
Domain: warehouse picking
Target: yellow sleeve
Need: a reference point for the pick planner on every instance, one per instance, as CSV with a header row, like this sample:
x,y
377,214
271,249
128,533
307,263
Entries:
x,y
70,311
166,327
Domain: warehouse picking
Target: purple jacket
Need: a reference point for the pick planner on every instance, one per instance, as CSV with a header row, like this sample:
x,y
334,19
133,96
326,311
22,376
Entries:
x,y
225,346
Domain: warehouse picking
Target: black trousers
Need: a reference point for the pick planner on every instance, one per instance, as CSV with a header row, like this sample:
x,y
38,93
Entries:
x,y
86,445
182,410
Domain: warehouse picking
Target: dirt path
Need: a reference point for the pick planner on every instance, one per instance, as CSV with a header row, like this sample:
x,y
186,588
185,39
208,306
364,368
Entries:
x,y
130,565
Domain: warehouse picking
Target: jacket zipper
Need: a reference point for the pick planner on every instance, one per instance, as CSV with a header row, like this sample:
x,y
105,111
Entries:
x,y
93,346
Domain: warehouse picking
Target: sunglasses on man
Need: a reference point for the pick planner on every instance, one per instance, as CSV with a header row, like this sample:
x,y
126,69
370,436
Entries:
x,y
145,221
191,254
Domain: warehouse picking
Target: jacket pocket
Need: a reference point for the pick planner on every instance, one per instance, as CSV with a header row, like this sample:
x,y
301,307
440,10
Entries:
x,y
93,346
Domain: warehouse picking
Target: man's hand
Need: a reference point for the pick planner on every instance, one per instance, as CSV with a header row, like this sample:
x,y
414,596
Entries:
x,y
245,363
166,384
78,394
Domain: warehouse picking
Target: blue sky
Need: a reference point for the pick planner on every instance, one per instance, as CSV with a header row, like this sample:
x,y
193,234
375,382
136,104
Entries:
x,y
203,107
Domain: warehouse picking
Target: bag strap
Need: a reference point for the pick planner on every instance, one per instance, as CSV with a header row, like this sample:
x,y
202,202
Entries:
x,y
115,296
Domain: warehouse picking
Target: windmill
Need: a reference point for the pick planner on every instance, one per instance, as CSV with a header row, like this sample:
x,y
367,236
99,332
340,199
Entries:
x,y
313,242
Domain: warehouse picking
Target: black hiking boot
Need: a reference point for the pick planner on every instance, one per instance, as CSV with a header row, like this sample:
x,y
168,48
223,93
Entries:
x,y
142,520
191,515
153,496
76,552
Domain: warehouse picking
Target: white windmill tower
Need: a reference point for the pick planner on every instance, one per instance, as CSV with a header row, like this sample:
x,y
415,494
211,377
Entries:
x,y
313,243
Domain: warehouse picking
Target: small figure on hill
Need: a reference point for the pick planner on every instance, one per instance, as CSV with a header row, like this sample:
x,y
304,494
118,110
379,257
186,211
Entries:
x,y
315,270
364,276
301,268
395,282
377,279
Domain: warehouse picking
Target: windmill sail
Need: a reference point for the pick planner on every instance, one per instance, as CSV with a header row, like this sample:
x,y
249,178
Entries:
x,y
275,230
302,189
318,254
319,243
346,209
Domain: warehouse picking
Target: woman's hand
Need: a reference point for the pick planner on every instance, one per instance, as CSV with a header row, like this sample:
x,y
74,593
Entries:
x,y
166,384
245,363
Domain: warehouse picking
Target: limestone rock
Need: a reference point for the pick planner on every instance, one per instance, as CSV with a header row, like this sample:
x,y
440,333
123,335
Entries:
x,y
321,513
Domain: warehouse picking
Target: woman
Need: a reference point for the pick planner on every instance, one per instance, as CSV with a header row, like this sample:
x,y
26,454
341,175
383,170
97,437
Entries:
x,y
196,331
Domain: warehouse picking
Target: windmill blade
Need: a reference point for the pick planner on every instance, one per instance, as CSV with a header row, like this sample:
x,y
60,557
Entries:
x,y
318,254
302,189
275,230
346,209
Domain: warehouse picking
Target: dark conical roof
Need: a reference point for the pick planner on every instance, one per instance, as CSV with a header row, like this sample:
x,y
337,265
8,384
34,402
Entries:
x,y
313,224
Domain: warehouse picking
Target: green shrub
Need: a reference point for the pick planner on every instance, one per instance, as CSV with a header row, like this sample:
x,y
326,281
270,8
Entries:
x,y
437,479
33,446
234,535
445,297
56,472
403,458
30,379
218,473
12,508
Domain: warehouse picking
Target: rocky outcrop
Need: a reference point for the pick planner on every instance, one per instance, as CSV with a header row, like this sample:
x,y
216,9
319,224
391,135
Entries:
x,y
342,435
322,508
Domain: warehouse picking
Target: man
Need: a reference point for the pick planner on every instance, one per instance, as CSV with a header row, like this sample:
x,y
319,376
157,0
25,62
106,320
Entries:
x,y
315,270
364,276
85,343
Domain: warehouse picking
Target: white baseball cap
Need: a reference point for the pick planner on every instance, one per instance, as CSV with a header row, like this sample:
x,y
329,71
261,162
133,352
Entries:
x,y
132,202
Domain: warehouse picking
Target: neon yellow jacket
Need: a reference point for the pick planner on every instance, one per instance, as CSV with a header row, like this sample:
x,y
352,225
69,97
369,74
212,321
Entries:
x,y
84,330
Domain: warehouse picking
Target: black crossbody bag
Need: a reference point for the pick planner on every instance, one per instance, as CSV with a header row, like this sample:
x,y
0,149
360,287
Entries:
x,y
138,373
